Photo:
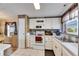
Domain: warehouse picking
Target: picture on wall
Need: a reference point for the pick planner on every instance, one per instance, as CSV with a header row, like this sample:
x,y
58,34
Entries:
x,y
72,26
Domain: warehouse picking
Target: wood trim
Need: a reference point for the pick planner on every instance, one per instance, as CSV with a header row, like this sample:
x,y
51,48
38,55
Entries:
x,y
45,17
21,16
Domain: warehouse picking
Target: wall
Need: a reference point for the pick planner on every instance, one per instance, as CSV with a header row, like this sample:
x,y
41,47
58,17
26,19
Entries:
x,y
2,29
7,15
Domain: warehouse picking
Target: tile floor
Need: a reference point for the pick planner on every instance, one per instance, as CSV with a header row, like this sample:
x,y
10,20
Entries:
x,y
28,52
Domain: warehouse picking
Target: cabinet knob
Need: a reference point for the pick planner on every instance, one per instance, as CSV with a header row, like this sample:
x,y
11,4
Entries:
x,y
55,46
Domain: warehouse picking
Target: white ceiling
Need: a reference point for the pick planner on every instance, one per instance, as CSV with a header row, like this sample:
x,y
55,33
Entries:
x,y
47,9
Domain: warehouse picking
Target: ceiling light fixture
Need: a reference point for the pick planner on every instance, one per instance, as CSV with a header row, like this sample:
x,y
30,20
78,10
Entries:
x,y
36,4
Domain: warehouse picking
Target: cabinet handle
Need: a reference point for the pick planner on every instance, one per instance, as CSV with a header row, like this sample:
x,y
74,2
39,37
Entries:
x,y
55,46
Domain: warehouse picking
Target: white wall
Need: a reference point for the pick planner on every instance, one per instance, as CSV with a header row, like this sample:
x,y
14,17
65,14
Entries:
x,y
7,15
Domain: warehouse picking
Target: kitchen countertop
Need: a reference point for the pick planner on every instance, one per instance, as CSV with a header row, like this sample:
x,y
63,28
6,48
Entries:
x,y
69,46
3,47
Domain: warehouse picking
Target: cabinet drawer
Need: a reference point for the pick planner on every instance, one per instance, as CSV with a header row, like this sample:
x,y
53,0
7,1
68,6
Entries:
x,y
66,53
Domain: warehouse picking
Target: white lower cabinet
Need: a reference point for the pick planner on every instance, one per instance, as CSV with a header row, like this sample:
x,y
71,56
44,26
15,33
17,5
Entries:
x,y
48,43
30,41
65,52
57,48
27,40
60,50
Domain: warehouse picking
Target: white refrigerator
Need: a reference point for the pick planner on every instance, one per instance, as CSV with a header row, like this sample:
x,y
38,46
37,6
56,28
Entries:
x,y
21,33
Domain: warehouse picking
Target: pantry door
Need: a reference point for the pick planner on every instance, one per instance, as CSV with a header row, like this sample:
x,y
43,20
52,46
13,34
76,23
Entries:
x,y
21,33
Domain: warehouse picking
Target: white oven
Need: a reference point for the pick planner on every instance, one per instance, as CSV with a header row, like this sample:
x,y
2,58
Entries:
x,y
39,40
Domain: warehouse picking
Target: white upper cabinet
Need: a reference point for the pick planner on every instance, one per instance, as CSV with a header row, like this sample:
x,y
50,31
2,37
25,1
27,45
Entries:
x,y
70,15
45,23
32,23
76,11
52,23
66,17
36,23
56,23
40,23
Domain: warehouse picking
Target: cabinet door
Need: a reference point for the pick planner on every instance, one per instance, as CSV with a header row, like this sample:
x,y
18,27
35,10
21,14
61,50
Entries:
x,y
57,49
49,45
40,22
66,53
32,23
56,22
52,23
36,22
28,40
48,42
48,23
31,40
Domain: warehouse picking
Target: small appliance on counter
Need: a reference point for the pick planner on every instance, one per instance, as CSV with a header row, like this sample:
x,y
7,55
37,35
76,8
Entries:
x,y
48,32
57,32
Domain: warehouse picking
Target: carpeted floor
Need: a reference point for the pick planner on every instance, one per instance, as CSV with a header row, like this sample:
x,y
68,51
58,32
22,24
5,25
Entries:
x,y
49,53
